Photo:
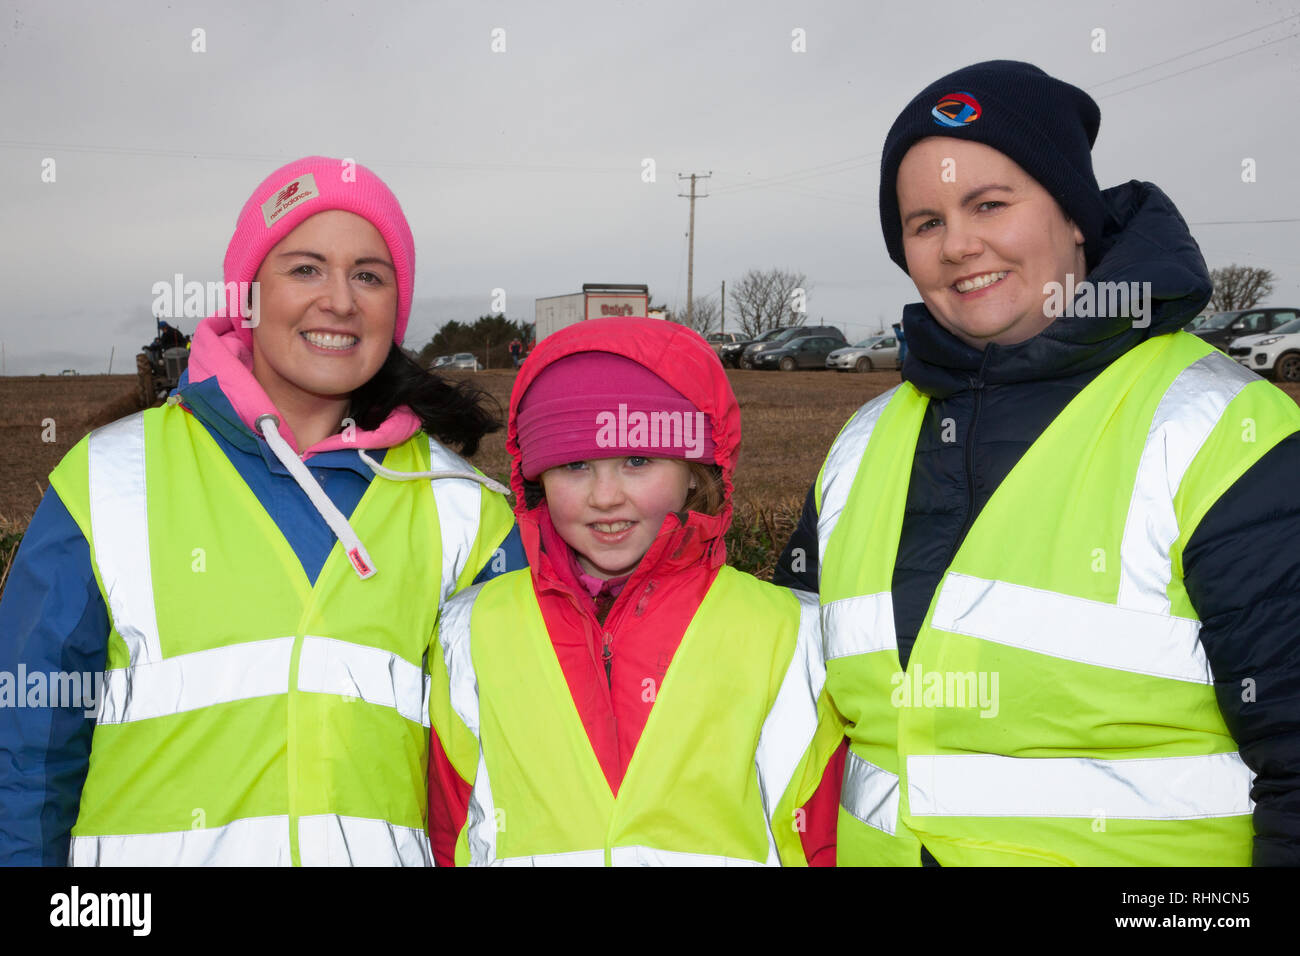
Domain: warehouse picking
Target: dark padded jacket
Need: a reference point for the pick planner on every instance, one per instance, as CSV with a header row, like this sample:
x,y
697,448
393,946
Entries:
x,y
1242,564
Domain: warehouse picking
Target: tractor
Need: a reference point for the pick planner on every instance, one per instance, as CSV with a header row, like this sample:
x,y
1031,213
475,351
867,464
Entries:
x,y
160,364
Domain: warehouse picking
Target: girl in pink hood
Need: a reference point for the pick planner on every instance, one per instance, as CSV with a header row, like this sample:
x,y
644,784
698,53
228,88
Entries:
x,y
249,577
628,698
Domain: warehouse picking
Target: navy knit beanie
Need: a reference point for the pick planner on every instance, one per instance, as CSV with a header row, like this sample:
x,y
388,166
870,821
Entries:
x,y
1043,124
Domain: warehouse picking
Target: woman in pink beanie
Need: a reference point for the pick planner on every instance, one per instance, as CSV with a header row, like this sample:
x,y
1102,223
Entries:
x,y
628,699
255,569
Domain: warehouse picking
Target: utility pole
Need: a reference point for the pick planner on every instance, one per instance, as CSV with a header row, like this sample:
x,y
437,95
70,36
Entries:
x,y
690,253
724,306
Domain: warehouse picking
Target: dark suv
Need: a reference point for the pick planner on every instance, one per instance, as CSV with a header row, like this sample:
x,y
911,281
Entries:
x,y
1222,327
781,337
730,352
800,351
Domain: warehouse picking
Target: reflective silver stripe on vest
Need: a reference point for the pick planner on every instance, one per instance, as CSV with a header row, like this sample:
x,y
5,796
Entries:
x,y
253,841
191,681
454,636
572,858
792,722
859,625
119,523
328,839
1162,788
1072,628
220,675
870,794
458,501
1187,413
377,676
646,856
842,467
625,856
323,840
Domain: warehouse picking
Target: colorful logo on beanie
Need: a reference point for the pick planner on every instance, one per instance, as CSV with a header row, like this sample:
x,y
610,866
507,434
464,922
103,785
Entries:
x,y
956,109
290,196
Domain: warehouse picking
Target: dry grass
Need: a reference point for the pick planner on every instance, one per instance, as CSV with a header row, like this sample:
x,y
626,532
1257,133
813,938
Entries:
x,y
789,421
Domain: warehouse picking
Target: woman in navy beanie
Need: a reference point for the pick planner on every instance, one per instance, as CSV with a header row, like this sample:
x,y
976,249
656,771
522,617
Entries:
x,y
1057,561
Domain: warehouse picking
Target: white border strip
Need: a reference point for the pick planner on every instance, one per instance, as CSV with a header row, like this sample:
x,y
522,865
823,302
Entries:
x,y
377,676
1187,414
329,839
119,523
859,625
870,794
192,681
1161,788
458,501
841,468
252,841
1072,628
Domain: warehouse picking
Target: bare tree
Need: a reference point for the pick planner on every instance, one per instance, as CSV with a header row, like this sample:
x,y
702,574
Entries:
x,y
1239,287
704,315
767,300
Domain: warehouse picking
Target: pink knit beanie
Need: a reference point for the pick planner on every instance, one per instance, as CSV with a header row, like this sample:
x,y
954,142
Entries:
x,y
302,189
592,405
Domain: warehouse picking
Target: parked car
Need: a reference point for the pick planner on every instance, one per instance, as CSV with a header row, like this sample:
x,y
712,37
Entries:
x,y
803,351
717,340
465,360
442,361
879,351
730,353
1275,354
748,358
1221,328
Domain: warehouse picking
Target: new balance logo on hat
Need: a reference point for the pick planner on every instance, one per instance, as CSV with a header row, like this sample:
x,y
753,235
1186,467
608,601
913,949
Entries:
x,y
299,191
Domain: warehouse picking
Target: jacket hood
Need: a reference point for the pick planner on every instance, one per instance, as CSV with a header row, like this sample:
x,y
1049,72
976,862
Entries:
x,y
218,352
1148,242
685,361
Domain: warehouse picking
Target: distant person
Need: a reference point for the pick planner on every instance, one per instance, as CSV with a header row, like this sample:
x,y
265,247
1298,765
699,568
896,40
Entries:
x,y
629,699
516,350
901,341
1058,565
256,571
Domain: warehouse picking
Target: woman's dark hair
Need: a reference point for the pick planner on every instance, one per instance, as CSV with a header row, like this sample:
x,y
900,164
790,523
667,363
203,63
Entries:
x,y
455,413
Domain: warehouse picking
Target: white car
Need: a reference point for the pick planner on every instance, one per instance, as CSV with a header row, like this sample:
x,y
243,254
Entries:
x,y
1275,354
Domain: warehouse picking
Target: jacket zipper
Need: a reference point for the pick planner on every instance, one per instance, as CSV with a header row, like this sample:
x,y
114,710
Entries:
x,y
607,655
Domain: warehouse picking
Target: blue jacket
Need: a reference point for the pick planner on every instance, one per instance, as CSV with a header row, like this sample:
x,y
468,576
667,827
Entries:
x,y
1242,564
53,619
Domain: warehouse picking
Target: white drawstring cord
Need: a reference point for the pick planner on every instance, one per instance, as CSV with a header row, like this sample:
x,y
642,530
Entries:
x,y
379,469
269,426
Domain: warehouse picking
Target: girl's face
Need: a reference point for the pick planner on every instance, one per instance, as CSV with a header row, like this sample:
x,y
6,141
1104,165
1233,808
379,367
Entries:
x,y
328,307
609,510
982,238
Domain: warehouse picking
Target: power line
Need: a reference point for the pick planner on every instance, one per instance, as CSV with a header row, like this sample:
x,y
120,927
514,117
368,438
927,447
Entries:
x,y
798,175
1199,49
1161,79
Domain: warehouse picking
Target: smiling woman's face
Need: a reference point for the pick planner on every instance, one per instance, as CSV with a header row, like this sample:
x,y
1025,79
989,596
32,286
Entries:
x,y
982,243
328,307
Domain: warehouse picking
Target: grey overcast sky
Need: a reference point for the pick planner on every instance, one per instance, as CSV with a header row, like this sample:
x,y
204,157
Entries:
x,y
521,169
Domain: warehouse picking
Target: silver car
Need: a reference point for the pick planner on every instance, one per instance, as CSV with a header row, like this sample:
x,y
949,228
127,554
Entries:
x,y
877,352
465,360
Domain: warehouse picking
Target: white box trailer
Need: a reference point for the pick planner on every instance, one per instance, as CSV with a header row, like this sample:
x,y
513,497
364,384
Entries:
x,y
595,301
